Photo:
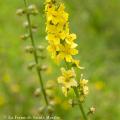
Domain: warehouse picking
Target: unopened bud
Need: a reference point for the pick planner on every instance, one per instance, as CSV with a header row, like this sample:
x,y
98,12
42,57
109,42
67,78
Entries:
x,y
37,92
44,67
20,12
29,49
40,48
92,110
53,101
25,24
24,37
31,65
33,9
34,28
42,56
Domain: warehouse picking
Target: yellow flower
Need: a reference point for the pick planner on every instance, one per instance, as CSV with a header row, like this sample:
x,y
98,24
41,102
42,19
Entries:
x,y
70,38
53,29
52,48
83,82
66,52
62,15
65,90
84,90
67,80
54,38
56,14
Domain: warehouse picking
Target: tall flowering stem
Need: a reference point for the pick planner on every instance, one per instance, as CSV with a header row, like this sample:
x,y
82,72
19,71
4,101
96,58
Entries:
x,y
34,52
78,100
62,47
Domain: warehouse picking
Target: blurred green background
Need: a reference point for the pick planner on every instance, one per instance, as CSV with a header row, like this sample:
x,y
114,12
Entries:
x,y
97,25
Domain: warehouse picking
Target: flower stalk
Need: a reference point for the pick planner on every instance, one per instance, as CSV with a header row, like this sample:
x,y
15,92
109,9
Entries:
x,y
80,104
62,47
35,52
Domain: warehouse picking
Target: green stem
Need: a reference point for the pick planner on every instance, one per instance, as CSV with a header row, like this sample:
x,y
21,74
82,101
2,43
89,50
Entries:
x,y
80,104
77,96
35,53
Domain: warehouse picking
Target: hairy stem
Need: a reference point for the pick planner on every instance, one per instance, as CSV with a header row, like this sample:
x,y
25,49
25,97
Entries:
x,y
35,53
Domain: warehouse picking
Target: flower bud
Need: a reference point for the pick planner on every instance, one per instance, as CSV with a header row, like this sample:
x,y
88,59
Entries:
x,y
37,92
33,9
20,12
42,67
40,48
29,49
24,37
92,110
52,102
34,28
25,24
42,56
31,65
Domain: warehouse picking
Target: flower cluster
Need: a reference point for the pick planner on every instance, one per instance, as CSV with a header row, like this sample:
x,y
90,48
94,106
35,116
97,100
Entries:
x,y
62,44
62,47
67,80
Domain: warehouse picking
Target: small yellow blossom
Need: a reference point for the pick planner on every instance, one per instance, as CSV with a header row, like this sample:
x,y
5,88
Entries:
x,y
92,110
67,80
84,90
53,49
66,52
70,38
83,82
